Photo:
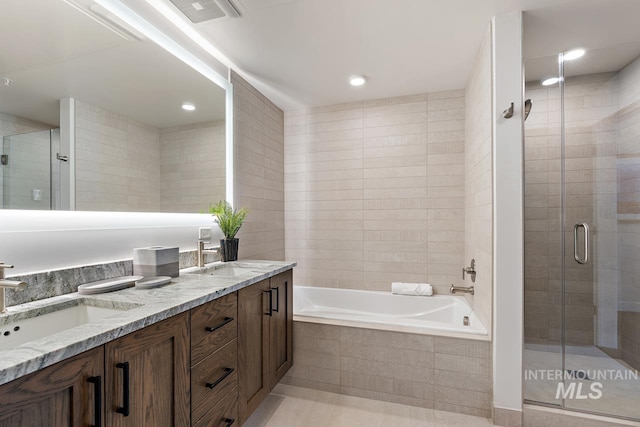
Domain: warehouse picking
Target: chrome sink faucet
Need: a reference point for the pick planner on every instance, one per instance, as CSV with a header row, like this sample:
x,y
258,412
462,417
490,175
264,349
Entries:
x,y
202,251
4,284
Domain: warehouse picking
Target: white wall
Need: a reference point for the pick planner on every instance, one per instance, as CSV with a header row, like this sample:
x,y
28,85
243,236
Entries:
x,y
508,213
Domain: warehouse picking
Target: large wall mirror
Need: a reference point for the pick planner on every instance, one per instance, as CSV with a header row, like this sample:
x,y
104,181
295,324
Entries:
x,y
96,117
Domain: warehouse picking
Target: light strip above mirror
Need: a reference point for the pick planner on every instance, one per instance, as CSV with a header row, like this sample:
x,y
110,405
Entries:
x,y
161,39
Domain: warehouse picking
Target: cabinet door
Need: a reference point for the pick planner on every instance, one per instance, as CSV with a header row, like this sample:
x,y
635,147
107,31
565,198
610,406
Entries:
x,y
147,376
61,395
253,347
281,334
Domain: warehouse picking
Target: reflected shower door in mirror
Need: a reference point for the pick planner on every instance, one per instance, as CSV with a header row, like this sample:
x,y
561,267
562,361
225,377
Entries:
x,y
140,131
29,178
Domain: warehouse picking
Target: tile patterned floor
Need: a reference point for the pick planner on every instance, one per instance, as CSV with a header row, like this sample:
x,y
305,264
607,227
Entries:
x,y
289,406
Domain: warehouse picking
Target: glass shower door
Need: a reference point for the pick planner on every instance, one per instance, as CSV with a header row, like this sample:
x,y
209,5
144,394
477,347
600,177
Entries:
x,y
543,310
601,165
26,170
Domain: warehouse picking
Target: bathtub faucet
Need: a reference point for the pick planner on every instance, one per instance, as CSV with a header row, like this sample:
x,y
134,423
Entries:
x,y
462,289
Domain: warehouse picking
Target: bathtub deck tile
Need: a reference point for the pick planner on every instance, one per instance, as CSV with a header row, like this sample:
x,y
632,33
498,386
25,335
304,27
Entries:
x,y
313,358
411,389
460,347
460,409
331,347
314,373
388,370
387,338
463,380
310,384
386,354
387,397
473,399
316,330
471,365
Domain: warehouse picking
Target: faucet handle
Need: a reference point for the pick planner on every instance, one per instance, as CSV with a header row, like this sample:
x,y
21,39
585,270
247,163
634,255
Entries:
x,y
3,265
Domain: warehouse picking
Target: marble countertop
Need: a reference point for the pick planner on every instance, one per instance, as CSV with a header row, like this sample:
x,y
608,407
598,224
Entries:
x,y
140,308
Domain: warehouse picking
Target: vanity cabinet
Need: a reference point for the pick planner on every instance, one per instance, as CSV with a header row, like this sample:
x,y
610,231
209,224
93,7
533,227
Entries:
x,y
281,327
147,376
65,394
265,339
253,347
209,367
214,363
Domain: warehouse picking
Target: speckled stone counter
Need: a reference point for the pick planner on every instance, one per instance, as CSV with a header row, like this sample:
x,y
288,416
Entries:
x,y
142,308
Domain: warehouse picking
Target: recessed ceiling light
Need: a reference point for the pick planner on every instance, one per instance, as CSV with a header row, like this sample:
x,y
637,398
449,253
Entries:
x,y
550,81
573,54
357,80
188,106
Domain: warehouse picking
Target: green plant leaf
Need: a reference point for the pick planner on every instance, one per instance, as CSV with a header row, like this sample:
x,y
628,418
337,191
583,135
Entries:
x,y
228,219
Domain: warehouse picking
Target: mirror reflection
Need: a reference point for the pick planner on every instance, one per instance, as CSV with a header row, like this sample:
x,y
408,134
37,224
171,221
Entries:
x,y
93,116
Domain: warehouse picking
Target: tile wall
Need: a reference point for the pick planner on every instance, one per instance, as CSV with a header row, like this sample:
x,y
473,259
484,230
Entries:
x,y
259,171
117,162
375,192
126,166
479,181
450,374
192,167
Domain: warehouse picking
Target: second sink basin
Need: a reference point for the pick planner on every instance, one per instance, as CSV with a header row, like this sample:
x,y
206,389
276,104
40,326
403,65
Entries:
x,y
228,270
23,327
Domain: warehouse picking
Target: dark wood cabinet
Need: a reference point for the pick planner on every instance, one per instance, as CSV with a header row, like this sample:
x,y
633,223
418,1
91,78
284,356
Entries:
x,y
265,339
147,376
211,366
61,395
281,327
253,347
214,355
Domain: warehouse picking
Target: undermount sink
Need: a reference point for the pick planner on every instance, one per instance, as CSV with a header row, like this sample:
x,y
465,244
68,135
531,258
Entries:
x,y
23,327
230,271
226,270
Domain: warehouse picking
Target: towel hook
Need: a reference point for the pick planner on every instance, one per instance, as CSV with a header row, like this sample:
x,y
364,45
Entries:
x,y
508,113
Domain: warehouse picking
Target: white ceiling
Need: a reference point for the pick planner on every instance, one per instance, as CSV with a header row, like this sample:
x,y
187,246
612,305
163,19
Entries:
x,y
305,50
608,30
57,52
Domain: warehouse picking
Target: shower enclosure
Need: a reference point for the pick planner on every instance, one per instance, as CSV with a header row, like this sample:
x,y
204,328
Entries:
x,y
582,231
30,170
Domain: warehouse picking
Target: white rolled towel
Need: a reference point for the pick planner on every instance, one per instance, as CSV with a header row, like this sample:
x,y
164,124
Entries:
x,y
421,289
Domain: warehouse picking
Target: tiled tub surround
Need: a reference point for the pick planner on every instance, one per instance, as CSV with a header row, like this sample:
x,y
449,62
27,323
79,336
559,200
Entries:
x,y
375,192
186,292
65,281
450,374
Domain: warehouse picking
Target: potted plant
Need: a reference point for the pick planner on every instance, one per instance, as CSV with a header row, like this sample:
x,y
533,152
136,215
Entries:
x,y
230,221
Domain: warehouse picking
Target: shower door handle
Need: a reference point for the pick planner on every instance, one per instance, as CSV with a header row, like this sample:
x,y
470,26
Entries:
x,y
576,256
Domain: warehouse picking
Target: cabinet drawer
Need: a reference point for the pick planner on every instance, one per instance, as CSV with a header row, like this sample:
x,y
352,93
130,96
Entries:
x,y
212,326
213,379
223,415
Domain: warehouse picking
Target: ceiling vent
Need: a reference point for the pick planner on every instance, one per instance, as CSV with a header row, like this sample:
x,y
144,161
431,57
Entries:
x,y
207,10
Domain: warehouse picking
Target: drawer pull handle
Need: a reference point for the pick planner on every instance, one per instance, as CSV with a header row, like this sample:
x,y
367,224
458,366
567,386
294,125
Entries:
x,y
270,312
97,399
277,289
229,422
227,372
125,389
220,325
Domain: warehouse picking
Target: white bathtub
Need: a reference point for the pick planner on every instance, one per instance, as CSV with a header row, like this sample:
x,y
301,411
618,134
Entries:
x,y
436,315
